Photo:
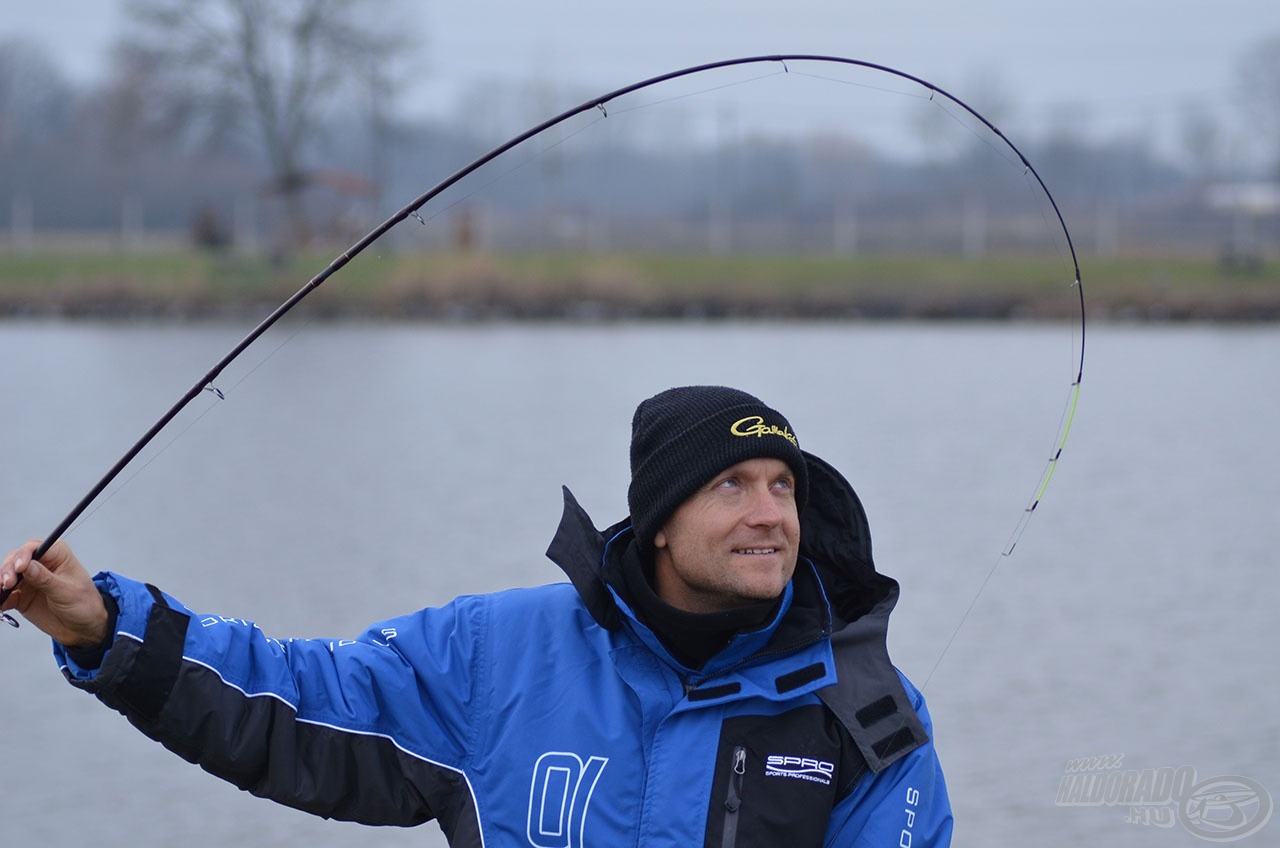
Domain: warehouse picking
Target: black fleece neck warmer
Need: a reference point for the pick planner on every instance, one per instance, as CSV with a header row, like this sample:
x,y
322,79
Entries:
x,y
692,638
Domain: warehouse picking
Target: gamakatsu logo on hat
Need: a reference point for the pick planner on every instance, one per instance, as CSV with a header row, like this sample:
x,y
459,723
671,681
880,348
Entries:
x,y
753,425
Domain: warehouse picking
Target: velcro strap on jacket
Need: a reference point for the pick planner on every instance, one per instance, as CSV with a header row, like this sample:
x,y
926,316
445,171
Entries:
x,y
869,698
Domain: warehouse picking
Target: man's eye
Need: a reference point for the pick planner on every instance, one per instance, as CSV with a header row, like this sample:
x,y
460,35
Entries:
x,y
727,483
783,483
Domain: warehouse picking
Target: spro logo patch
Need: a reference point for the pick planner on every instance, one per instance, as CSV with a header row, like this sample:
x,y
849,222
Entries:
x,y
799,768
753,425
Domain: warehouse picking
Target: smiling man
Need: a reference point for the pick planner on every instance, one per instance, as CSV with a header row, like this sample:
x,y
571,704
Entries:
x,y
715,675
733,542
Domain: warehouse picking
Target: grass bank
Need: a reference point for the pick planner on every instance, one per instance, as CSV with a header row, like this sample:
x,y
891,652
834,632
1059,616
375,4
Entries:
x,y
430,285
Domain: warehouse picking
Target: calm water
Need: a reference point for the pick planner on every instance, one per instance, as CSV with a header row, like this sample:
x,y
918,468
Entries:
x,y
355,472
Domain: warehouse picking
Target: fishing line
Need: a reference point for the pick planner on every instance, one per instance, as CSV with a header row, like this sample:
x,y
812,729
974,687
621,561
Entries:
x,y
502,175
1064,428
604,113
599,104
980,137
697,93
1068,417
866,85
108,496
211,389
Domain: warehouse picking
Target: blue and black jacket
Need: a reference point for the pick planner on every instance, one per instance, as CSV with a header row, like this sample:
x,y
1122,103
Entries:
x,y
552,717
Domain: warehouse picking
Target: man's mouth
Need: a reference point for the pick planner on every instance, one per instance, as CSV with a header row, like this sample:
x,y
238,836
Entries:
x,y
755,551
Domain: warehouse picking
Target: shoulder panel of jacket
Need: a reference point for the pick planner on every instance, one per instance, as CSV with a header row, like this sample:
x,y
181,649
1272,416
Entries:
x,y
869,698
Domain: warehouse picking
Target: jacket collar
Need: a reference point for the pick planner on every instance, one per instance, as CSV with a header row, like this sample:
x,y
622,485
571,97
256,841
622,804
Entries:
x,y
578,548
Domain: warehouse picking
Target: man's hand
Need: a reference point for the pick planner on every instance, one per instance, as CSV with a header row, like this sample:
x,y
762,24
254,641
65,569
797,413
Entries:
x,y
56,594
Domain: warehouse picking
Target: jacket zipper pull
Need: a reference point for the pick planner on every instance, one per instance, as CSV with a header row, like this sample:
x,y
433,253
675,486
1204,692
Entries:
x,y
733,801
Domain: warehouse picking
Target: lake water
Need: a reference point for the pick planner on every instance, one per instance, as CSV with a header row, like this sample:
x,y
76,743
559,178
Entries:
x,y
357,471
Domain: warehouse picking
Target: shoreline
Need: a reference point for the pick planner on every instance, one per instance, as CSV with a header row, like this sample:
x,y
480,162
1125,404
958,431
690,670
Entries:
x,y
453,287
124,306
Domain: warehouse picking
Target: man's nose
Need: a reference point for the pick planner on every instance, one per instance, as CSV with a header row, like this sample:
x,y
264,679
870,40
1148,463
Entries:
x,y
763,507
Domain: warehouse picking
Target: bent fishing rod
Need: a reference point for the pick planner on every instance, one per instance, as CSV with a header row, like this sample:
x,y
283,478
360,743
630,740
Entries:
x,y
206,381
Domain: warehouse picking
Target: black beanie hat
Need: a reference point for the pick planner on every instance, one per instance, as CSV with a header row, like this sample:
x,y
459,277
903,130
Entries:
x,y
683,437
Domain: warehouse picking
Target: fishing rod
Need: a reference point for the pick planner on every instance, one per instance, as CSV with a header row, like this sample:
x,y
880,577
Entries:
x,y
206,382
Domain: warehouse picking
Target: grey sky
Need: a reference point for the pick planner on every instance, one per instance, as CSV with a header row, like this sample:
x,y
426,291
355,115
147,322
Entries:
x,y
1129,65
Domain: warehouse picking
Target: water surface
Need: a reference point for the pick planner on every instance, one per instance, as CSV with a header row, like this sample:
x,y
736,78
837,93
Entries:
x,y
354,472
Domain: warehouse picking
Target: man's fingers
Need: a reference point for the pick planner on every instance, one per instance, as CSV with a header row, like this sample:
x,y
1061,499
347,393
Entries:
x,y
9,570
34,573
18,565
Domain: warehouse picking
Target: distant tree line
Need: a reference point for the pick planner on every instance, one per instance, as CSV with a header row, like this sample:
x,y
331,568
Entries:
x,y
235,121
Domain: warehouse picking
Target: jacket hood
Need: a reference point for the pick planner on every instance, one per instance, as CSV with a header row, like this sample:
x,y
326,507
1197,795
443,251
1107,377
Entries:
x,y
833,535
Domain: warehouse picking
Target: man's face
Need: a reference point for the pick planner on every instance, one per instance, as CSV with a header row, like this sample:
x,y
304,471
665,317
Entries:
x,y
734,542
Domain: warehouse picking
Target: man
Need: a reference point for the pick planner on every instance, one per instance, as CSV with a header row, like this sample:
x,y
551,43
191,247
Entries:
x,y
715,675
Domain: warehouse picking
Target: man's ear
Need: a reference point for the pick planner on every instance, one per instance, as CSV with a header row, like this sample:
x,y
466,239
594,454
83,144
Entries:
x,y
660,539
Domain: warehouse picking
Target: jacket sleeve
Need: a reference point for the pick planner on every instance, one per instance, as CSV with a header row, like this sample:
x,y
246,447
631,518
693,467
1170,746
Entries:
x,y
375,729
905,804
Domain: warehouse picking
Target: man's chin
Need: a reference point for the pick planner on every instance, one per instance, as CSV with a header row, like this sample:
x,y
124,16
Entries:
x,y
755,593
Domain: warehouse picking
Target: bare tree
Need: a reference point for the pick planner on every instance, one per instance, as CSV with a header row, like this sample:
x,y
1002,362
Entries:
x,y
35,98
37,117
1259,74
1201,134
265,69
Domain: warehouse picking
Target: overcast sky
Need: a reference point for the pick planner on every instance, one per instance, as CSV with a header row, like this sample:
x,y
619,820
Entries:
x,y
1129,64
